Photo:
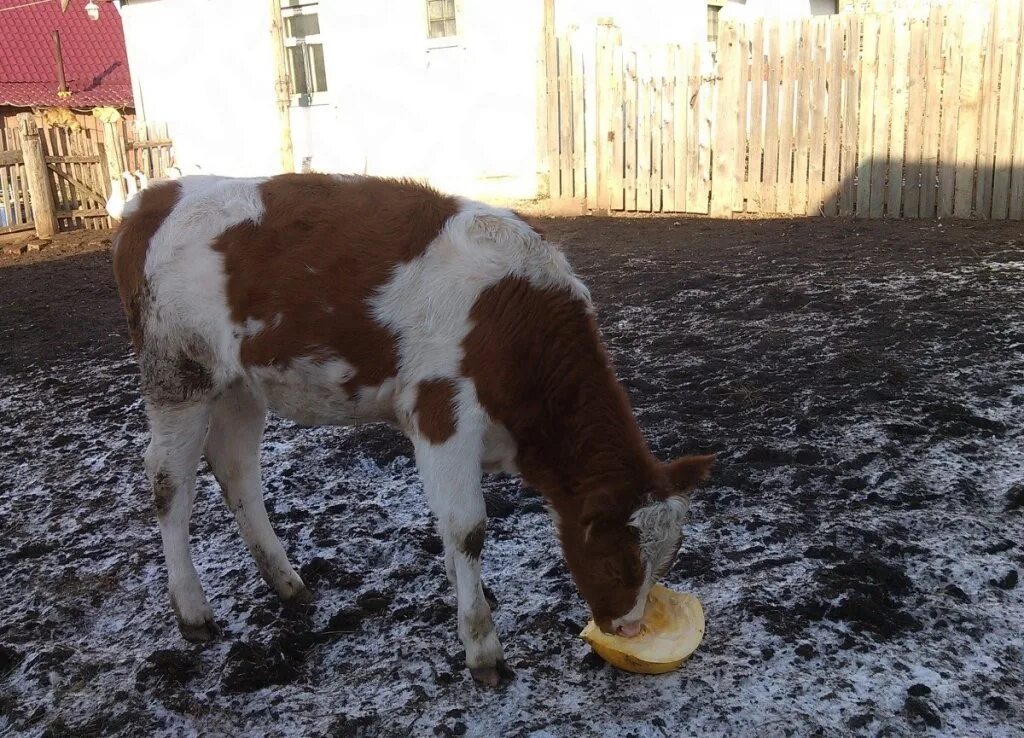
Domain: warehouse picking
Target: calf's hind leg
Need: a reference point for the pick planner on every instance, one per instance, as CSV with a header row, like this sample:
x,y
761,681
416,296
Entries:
x,y
233,450
177,430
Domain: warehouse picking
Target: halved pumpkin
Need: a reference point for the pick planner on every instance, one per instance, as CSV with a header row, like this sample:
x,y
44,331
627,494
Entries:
x,y
673,628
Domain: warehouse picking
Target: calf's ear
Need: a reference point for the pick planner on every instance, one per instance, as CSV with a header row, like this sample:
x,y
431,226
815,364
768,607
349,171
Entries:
x,y
687,472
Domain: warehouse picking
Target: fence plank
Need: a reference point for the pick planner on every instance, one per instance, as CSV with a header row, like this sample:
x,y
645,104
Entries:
x,y
552,125
668,141
565,129
801,141
617,133
769,182
819,108
7,166
834,116
588,91
742,136
932,101
851,111
915,123
24,196
898,114
790,69
969,109
1009,108
865,139
655,71
952,45
643,128
681,108
726,123
697,177
630,94
603,119
1015,209
989,113
756,137
76,170
882,112
579,123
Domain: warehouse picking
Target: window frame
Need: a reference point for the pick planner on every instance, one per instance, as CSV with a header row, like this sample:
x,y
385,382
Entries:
x,y
304,99
442,42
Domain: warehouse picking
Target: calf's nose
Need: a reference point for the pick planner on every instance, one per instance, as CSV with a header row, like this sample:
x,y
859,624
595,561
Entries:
x,y
629,630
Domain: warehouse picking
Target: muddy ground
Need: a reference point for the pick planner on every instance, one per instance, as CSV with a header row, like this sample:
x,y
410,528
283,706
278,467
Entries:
x,y
858,550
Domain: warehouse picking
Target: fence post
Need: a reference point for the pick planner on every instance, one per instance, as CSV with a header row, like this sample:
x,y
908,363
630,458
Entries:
x,y
113,146
40,194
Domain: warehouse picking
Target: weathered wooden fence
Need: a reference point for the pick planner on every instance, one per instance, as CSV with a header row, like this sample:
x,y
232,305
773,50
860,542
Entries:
x,y
874,115
81,167
15,207
77,178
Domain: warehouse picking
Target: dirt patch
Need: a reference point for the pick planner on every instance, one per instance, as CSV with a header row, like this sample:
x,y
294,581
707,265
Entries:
x,y
60,303
857,548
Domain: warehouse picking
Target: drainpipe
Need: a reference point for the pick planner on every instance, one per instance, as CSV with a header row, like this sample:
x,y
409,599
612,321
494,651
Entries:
x,y
282,86
62,85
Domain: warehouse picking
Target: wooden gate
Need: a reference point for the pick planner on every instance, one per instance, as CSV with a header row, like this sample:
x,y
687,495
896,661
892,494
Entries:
x,y
78,175
15,205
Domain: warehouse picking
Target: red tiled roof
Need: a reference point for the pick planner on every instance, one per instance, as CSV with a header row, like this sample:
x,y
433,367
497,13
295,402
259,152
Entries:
x,y
95,61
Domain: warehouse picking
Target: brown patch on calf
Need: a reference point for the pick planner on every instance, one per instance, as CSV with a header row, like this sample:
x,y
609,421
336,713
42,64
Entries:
x,y
473,544
132,242
163,492
194,376
323,247
540,369
435,409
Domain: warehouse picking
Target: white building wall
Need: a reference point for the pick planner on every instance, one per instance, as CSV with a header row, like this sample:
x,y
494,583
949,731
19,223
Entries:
x,y
205,68
641,21
461,112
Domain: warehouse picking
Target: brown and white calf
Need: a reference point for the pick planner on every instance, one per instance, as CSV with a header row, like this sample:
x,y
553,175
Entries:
x,y
342,300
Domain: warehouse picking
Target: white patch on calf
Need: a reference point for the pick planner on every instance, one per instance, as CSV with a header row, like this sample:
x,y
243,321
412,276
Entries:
x,y
252,326
659,525
427,301
500,449
186,276
308,390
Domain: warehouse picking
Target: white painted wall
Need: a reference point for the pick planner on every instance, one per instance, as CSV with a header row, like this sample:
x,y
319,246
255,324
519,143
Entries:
x,y
460,113
205,68
641,21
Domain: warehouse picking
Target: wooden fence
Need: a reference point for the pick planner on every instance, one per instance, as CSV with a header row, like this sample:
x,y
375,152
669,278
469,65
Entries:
x,y
15,208
79,167
874,115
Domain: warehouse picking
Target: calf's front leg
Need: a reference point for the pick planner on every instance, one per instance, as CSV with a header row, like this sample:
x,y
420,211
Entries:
x,y
451,479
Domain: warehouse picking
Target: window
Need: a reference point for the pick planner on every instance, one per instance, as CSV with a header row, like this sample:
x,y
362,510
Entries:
x,y
714,7
305,53
440,18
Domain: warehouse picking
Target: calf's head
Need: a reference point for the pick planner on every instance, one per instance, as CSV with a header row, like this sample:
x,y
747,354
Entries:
x,y
622,542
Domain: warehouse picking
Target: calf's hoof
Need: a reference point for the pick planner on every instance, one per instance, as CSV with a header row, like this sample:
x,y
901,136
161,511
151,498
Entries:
x,y
493,676
299,596
201,632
